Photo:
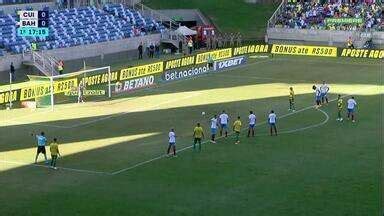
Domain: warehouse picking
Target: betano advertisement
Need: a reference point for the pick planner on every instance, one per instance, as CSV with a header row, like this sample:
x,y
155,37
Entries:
x,y
304,50
134,84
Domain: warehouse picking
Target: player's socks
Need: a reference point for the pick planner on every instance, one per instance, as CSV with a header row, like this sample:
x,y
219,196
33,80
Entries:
x,y
226,134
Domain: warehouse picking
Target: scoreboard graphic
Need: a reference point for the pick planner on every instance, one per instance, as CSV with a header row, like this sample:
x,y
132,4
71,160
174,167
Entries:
x,y
33,23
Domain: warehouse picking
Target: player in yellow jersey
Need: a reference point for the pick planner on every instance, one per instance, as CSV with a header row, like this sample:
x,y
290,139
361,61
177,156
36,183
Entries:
x,y
54,149
291,99
198,135
237,129
339,108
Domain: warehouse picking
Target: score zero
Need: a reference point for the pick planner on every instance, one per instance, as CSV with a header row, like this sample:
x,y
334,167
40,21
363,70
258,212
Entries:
x,y
34,19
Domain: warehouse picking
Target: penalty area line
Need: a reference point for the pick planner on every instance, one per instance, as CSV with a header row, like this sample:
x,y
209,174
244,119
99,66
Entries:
x,y
261,123
59,168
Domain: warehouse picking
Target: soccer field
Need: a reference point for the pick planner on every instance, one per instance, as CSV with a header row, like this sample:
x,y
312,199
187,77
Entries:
x,y
113,152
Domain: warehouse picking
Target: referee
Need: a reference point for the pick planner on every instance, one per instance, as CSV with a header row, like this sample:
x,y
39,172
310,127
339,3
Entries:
x,y
41,143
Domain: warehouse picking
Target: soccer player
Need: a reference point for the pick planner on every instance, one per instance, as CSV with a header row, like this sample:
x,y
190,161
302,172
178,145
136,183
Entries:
x,y
54,149
317,96
339,107
291,99
224,118
272,122
80,92
252,123
41,142
213,128
237,129
198,135
351,105
172,142
324,89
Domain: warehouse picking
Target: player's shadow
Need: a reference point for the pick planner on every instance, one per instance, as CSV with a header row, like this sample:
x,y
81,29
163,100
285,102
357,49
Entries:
x,y
153,125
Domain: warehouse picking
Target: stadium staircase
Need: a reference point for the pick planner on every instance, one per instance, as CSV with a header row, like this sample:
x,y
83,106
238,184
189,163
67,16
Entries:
x,y
169,35
45,63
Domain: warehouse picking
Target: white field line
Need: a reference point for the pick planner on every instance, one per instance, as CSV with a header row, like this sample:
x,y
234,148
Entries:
x,y
135,110
188,147
146,89
260,123
48,167
302,128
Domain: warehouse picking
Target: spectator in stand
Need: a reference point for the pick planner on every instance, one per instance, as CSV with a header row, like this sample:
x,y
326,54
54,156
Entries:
x,y
12,71
140,49
313,15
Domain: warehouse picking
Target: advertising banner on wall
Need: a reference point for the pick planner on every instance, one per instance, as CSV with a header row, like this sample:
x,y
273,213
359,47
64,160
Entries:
x,y
251,49
228,63
134,84
179,62
216,55
142,70
304,50
184,73
362,53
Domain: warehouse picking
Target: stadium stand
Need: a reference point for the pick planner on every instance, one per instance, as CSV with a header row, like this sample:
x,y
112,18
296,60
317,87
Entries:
x,y
79,26
313,15
19,1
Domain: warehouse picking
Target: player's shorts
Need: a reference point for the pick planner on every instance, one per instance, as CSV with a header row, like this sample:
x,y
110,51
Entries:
x,y
172,143
197,140
224,126
213,131
251,125
272,124
53,157
351,110
323,94
40,149
237,133
318,98
291,100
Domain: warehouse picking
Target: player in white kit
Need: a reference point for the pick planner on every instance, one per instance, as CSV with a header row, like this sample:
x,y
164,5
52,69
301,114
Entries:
x,y
213,128
324,89
272,122
252,123
351,106
172,142
224,118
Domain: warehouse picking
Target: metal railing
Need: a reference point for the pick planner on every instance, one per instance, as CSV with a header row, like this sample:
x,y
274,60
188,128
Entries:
x,y
272,20
45,63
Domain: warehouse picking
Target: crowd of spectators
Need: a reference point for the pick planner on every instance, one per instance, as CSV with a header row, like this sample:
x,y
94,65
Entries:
x,y
365,14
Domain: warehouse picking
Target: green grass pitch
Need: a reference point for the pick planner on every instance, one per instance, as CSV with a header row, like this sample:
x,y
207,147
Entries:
x,y
113,151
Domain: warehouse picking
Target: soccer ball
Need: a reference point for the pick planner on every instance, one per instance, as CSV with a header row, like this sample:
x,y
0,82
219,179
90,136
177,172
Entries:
x,y
202,113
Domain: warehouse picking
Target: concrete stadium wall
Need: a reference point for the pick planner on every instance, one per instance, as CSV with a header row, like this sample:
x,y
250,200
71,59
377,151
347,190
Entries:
x,y
85,51
317,37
